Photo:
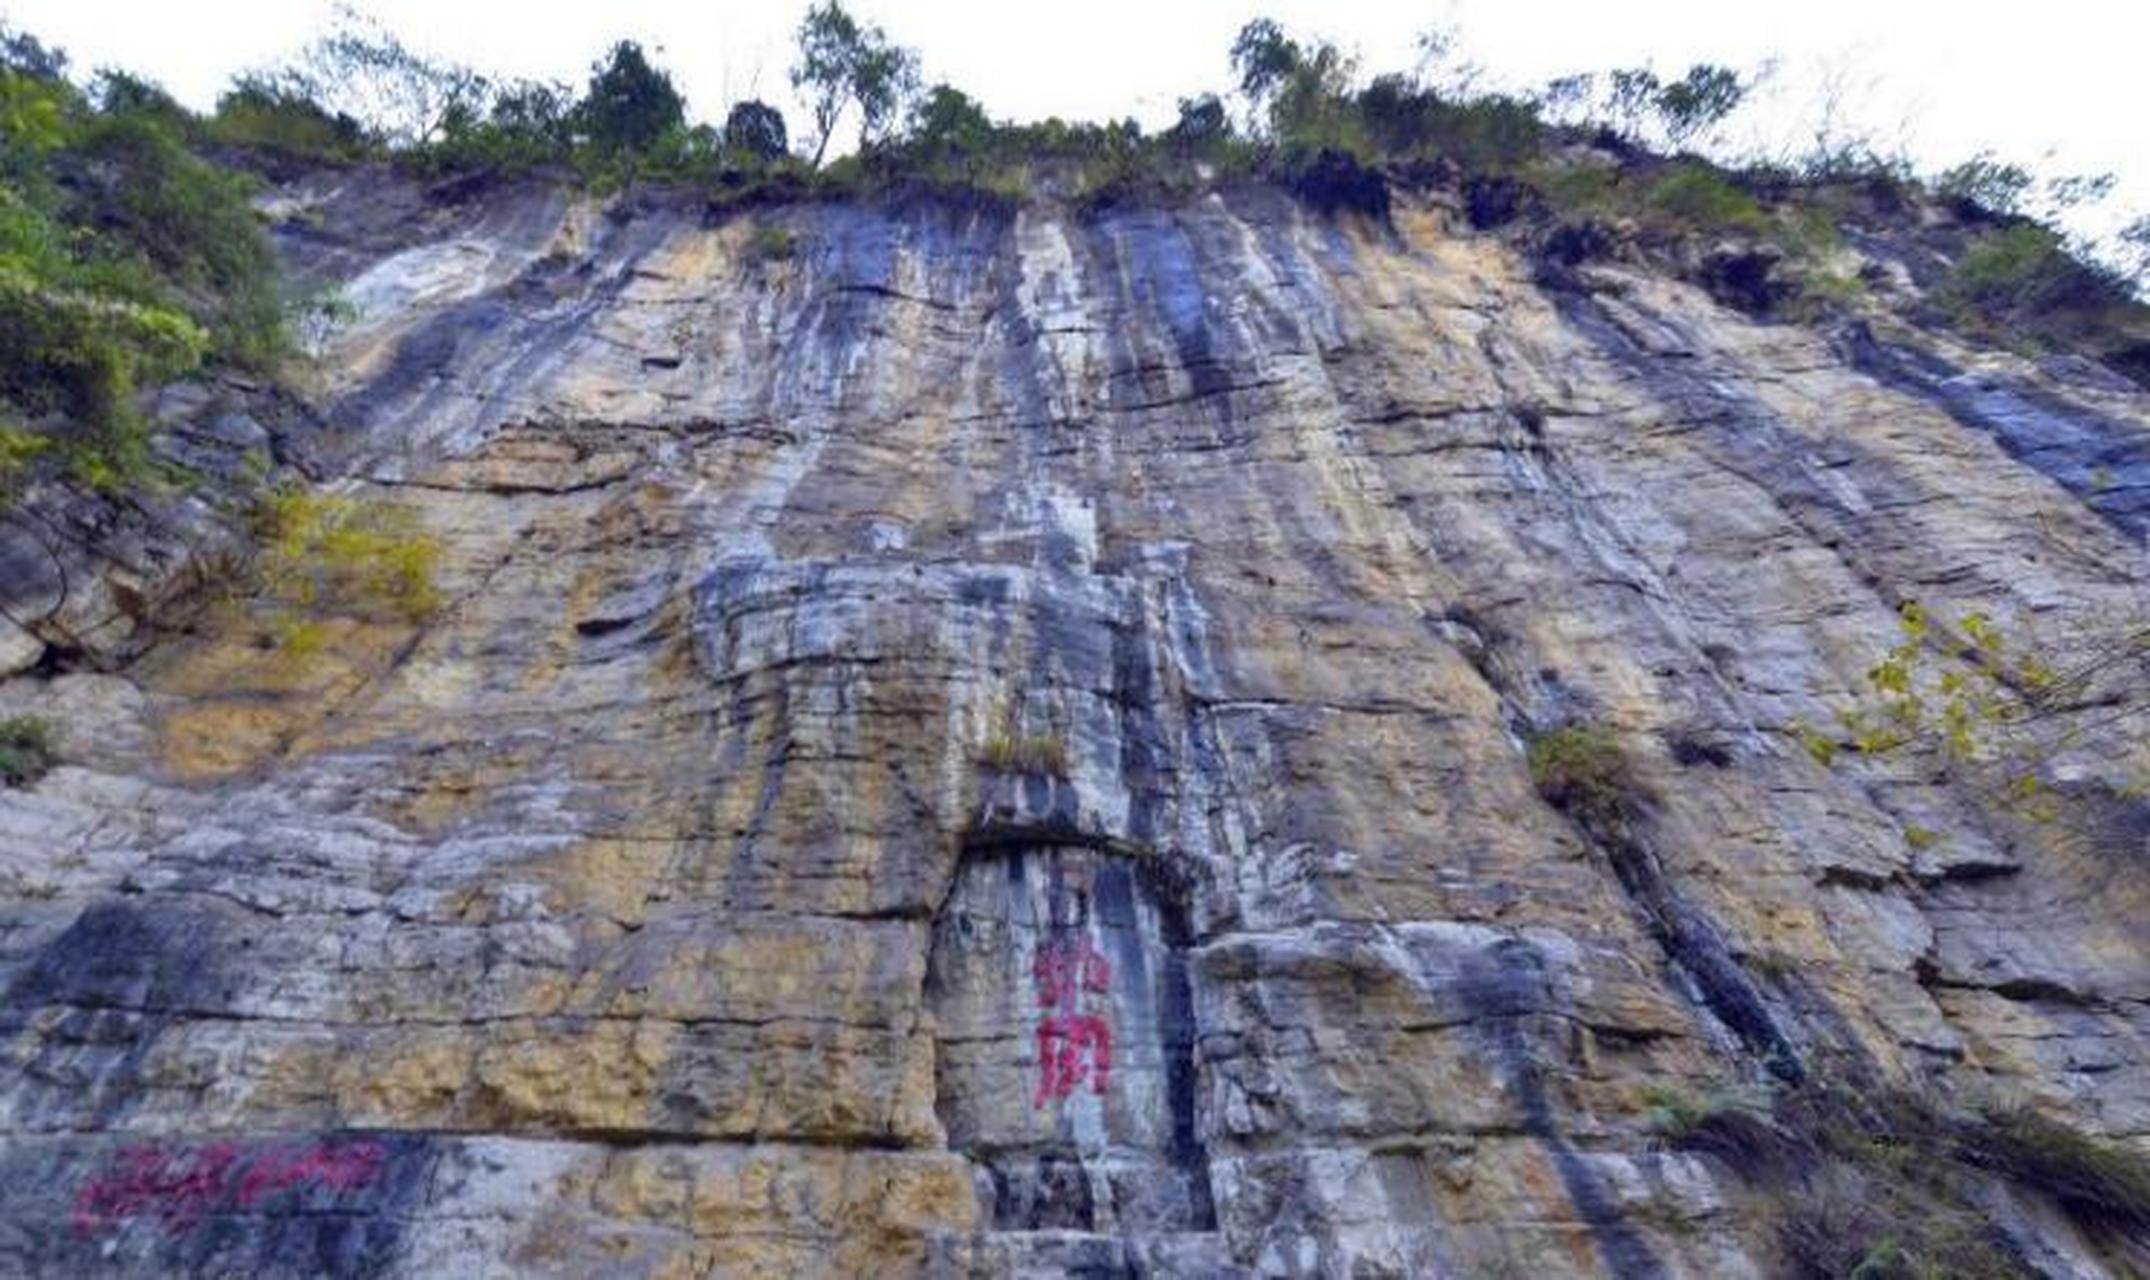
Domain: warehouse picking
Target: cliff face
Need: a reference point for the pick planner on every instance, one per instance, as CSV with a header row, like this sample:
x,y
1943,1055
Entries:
x,y
983,742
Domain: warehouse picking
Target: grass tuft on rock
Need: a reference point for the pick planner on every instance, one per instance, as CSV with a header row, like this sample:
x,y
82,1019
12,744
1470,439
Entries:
x,y
1026,753
1881,1182
2102,1184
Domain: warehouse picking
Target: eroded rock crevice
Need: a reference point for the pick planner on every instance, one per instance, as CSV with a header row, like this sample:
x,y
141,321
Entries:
x,y
1058,984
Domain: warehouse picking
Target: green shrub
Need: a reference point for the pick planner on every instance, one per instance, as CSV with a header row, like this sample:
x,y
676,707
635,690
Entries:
x,y
18,448
1985,182
1487,133
29,747
333,554
1675,1112
125,260
771,243
279,116
1582,770
1700,196
2023,267
1490,132
1587,190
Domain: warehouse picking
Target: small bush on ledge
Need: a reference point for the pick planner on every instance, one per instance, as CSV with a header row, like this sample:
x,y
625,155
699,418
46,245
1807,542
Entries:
x,y
29,747
1582,770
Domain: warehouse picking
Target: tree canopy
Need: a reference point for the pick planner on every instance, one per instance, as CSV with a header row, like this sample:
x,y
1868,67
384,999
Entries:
x,y
630,103
844,63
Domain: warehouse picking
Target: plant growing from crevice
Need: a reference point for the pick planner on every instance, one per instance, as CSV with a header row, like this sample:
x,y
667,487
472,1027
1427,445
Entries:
x,y
1035,753
18,449
1584,771
29,747
770,242
1699,195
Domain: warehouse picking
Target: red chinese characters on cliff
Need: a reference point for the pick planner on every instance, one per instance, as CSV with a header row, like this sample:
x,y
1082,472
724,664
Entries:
x,y
1073,1041
176,1187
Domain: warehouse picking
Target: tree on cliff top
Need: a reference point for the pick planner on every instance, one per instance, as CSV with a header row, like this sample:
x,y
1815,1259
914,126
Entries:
x,y
362,70
842,62
1300,92
630,103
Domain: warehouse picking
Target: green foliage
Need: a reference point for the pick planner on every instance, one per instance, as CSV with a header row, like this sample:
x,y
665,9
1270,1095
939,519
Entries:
x,y
630,104
528,125
756,129
1989,709
125,259
2133,241
770,242
1985,182
1202,124
1582,770
1584,188
326,554
1636,99
1698,101
1303,91
1489,132
1634,93
360,71
29,747
278,116
948,122
2024,267
18,448
1701,196
22,52
2028,285
1025,753
843,63
1264,59
1680,1116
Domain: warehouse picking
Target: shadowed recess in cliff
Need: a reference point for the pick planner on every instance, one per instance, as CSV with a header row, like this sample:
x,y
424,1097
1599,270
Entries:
x,y
1058,981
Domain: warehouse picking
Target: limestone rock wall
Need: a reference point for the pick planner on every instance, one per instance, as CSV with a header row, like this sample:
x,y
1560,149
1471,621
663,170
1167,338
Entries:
x,y
991,743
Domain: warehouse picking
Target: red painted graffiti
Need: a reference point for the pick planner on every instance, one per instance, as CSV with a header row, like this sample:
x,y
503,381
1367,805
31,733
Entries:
x,y
176,1187
1065,970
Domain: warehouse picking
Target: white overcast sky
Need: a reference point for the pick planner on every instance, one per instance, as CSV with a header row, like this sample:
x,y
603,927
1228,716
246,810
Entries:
x,y
2061,85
